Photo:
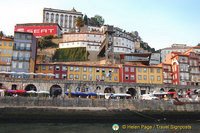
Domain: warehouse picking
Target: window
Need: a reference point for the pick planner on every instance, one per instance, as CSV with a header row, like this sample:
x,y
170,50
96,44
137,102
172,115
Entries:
x,y
9,52
85,69
132,77
76,76
102,77
126,76
152,70
90,77
64,68
158,70
5,43
84,77
10,43
139,69
20,65
152,78
132,69
77,69
56,76
158,78
50,67
71,76
103,70
144,69
115,70
36,68
57,68
115,78
145,77
43,67
97,77
139,77
71,68
126,69
90,69
64,76
86,89
110,70
97,69
110,78
0,43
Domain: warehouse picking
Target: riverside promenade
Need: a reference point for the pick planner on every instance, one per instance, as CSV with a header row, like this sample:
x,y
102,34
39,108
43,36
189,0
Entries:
x,y
27,109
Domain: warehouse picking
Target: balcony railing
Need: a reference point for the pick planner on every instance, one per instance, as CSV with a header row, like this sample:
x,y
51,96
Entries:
x,y
21,48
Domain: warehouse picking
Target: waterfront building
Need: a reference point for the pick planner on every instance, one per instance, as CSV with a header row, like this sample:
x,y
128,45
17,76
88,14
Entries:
x,y
65,18
127,73
167,73
6,46
93,73
24,54
185,68
175,47
149,74
60,71
46,68
40,29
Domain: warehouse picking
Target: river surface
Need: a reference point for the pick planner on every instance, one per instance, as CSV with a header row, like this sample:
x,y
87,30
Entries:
x,y
99,127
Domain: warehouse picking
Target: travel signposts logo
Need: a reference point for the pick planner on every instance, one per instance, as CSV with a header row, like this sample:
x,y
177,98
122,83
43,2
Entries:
x,y
115,127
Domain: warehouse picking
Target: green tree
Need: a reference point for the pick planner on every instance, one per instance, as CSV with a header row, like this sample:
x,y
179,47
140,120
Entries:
x,y
79,22
198,44
85,19
99,19
94,22
1,34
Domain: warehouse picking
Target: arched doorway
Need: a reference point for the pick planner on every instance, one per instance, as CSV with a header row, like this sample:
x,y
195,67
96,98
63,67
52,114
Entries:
x,y
55,90
172,93
14,87
162,90
132,92
109,90
30,87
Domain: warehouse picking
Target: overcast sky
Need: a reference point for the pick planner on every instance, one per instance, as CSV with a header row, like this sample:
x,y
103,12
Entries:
x,y
159,22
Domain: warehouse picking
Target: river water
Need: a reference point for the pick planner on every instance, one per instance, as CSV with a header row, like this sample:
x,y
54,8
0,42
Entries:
x,y
99,127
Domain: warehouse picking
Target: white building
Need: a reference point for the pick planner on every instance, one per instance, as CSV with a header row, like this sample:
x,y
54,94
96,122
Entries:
x,y
65,18
155,59
175,47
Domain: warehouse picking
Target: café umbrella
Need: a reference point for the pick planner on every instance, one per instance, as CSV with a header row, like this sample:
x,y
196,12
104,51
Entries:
x,y
20,91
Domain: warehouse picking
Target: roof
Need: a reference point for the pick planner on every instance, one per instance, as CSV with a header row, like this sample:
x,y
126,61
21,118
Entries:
x,y
74,64
37,24
151,66
6,39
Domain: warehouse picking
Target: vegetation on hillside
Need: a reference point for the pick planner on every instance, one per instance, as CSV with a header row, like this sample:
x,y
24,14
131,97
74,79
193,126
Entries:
x,y
45,42
97,20
79,22
70,54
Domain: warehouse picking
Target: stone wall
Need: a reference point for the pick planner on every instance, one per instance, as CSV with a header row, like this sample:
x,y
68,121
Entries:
x,y
130,104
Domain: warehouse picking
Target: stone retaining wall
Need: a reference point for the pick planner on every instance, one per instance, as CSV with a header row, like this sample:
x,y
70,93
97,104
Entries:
x,y
130,104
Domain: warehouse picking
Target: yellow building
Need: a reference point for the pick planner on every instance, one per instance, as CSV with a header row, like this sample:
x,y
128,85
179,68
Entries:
x,y
93,73
6,48
45,68
149,74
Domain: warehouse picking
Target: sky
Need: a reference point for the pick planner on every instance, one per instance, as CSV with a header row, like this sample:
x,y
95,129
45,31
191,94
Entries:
x,y
160,23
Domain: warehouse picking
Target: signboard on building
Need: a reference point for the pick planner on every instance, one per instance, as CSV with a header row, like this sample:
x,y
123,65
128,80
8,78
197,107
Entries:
x,y
39,31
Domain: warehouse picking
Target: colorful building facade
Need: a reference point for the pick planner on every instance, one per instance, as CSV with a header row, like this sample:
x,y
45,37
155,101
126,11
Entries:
x,y
149,74
24,54
6,46
46,68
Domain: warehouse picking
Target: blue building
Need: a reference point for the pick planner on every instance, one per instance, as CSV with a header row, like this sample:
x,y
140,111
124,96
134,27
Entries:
x,y
24,54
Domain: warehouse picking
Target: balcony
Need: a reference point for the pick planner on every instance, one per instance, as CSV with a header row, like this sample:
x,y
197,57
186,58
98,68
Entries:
x,y
21,48
14,58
